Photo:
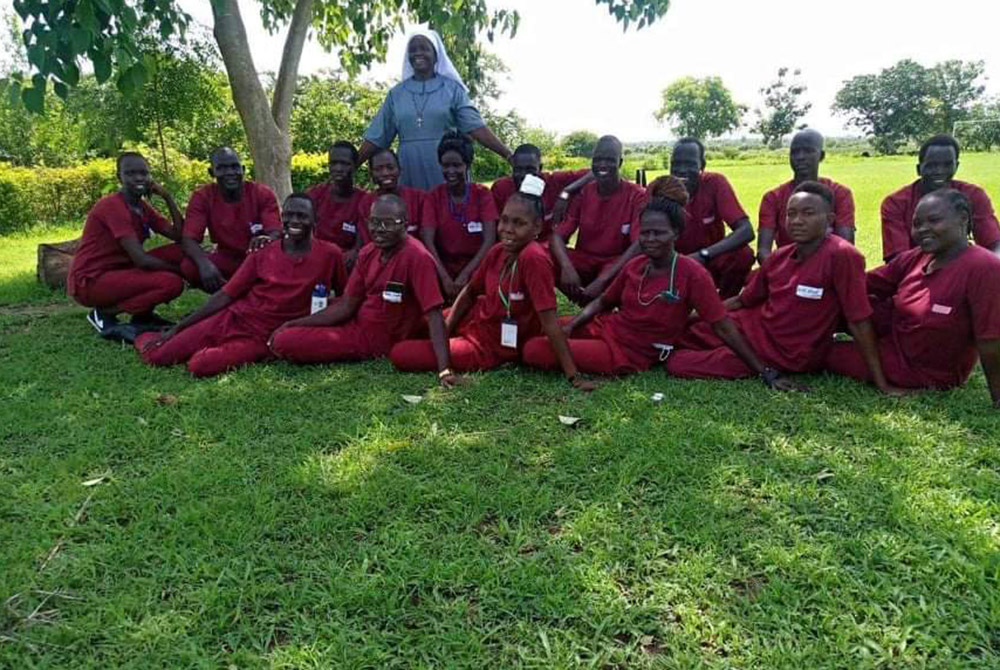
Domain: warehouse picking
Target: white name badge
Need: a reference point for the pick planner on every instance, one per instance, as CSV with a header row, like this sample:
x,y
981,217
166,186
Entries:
x,y
517,295
392,296
474,226
626,227
349,227
941,309
809,292
508,334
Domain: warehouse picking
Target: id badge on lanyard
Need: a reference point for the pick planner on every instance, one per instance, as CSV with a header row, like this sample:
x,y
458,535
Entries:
x,y
508,328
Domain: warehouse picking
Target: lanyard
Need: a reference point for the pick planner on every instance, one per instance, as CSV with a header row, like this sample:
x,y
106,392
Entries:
x,y
669,294
510,285
459,214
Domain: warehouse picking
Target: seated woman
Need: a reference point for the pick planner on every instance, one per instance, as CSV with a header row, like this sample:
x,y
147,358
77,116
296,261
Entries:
x,y
458,221
511,297
937,306
654,294
272,286
790,309
383,167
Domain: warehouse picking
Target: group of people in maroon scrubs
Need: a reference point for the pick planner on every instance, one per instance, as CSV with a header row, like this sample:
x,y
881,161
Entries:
x,y
465,277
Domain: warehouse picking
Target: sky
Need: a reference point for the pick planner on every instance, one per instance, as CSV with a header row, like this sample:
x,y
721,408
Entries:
x,y
573,68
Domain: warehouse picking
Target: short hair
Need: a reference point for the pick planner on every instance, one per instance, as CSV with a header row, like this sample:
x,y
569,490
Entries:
x,y
816,188
695,141
394,199
528,149
457,142
128,154
673,210
344,144
940,140
300,195
533,200
386,150
957,201
213,156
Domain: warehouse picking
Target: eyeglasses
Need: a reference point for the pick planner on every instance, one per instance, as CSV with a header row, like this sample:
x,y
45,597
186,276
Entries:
x,y
385,224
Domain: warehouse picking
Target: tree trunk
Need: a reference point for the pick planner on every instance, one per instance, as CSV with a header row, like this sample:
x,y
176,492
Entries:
x,y
270,145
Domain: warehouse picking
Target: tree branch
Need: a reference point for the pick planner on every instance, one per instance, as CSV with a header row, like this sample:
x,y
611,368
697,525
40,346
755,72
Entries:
x,y
288,74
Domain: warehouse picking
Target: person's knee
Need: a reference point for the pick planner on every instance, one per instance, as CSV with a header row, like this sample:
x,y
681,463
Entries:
x,y
537,353
173,286
206,364
412,355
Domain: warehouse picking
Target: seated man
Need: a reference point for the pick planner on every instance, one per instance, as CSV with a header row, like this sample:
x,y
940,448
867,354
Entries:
x,y
111,272
272,286
338,202
790,309
711,207
383,167
605,217
239,215
391,290
805,155
559,186
936,166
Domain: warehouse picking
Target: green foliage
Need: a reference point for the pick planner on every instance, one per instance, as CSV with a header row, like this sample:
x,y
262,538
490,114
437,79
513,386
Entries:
x,y
32,196
907,102
579,143
332,107
309,170
980,131
782,107
701,108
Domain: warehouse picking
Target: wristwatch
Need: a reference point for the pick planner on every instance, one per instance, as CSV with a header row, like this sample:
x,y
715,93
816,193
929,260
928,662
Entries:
x,y
564,195
445,373
704,255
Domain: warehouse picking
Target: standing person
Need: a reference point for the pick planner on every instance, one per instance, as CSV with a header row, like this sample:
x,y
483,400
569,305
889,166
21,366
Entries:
x,y
110,272
392,292
790,309
384,169
560,186
605,217
272,286
804,156
338,203
510,299
938,303
654,294
712,206
458,220
936,167
239,215
430,100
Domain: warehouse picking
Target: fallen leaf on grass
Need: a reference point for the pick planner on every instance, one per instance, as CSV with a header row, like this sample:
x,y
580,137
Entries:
x,y
166,399
823,475
413,399
95,481
142,422
569,420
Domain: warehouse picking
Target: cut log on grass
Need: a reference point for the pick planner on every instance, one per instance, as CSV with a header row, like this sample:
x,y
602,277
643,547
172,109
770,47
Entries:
x,y
53,262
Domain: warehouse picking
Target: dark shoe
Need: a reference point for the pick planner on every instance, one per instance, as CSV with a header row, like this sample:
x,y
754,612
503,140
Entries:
x,y
151,321
122,332
102,323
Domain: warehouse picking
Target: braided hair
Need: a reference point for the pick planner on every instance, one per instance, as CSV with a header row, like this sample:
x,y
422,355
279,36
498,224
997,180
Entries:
x,y
668,196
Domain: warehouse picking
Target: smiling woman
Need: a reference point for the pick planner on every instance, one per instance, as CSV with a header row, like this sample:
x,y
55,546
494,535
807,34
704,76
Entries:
x,y
430,100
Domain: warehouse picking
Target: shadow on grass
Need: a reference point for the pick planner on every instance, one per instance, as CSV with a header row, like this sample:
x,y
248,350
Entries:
x,y
309,517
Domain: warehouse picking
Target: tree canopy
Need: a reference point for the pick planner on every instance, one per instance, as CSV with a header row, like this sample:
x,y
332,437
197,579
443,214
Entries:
x,y
782,108
701,108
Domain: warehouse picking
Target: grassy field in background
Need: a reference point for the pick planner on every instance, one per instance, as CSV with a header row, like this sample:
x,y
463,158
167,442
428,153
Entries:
x,y
284,517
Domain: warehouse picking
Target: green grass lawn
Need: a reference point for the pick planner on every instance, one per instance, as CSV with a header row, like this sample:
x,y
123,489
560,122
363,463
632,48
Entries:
x,y
283,517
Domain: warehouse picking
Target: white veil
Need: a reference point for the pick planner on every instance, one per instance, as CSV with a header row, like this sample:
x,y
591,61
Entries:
x,y
443,66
